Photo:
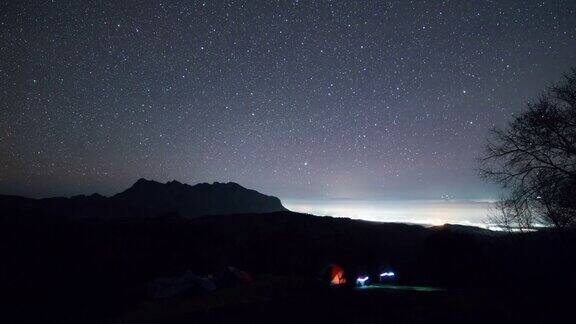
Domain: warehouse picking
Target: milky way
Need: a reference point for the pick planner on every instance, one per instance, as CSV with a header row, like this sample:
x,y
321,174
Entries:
x,y
292,98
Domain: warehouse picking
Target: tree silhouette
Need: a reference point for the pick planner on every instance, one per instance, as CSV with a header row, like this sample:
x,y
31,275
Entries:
x,y
534,157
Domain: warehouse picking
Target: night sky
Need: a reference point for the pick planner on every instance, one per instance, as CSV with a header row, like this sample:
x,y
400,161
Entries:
x,y
383,99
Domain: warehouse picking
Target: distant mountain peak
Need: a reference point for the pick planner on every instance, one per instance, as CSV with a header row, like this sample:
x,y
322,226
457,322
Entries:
x,y
146,182
227,184
149,198
142,181
198,200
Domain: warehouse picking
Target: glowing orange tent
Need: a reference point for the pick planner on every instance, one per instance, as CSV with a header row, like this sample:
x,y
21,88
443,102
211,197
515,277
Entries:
x,y
334,274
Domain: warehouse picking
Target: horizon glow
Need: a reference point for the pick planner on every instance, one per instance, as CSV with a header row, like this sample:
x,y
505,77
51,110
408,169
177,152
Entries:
x,y
423,212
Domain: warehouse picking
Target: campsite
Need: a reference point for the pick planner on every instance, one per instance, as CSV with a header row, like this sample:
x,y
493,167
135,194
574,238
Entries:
x,y
284,266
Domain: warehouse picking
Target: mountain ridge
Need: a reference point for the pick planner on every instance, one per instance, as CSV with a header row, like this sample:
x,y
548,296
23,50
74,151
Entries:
x,y
149,198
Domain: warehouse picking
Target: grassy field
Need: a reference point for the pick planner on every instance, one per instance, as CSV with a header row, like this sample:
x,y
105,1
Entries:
x,y
296,300
401,287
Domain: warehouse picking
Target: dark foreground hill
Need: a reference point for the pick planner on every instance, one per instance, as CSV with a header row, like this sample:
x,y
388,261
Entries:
x,y
89,269
148,198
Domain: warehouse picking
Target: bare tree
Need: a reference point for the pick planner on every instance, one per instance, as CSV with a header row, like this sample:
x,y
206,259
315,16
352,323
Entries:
x,y
534,157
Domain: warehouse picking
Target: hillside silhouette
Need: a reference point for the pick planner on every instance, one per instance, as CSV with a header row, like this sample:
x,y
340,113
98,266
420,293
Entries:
x,y
147,198
79,260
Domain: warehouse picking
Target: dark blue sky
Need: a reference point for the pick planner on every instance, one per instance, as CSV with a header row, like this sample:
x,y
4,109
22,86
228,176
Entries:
x,y
314,99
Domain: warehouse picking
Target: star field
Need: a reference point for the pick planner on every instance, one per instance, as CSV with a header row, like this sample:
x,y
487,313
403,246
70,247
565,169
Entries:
x,y
292,98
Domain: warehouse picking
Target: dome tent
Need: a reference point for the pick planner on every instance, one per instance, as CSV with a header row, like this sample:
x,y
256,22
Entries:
x,y
333,274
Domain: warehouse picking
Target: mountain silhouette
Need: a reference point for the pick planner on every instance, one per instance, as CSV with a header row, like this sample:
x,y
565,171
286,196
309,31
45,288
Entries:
x,y
148,198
